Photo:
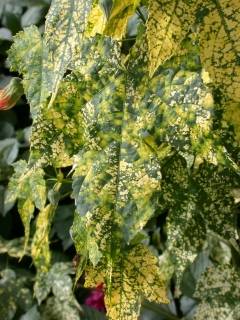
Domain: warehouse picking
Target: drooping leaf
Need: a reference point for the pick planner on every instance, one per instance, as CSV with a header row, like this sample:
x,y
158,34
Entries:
x,y
219,293
168,24
14,248
65,25
29,187
134,276
219,43
26,209
40,244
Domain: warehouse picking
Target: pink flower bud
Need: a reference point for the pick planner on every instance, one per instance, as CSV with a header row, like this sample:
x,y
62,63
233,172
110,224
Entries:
x,y
10,94
96,299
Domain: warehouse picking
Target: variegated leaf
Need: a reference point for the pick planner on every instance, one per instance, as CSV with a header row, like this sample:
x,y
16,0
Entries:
x,y
40,244
220,44
196,207
135,275
116,23
29,187
57,132
65,26
168,24
30,57
219,292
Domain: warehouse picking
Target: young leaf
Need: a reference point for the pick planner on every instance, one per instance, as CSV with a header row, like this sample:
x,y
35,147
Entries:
x,y
134,276
168,24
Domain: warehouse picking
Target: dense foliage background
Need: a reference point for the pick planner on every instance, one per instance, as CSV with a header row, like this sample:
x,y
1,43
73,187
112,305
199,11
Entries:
x,y
55,299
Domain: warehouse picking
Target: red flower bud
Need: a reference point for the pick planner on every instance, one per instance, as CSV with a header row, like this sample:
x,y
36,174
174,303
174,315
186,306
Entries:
x,y
96,299
10,94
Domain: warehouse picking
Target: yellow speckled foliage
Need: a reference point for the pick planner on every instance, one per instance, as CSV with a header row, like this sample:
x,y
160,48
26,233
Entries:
x,y
134,276
220,45
40,245
232,117
143,125
115,25
167,25
65,25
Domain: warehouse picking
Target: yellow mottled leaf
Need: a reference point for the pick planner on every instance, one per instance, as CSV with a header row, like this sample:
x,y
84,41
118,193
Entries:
x,y
168,24
115,25
133,276
96,22
65,26
121,11
232,116
26,210
40,244
220,45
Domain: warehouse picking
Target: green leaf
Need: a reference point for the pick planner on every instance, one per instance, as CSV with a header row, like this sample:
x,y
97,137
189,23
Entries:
x,y
192,274
65,25
196,208
61,310
219,293
92,314
58,281
13,294
31,314
32,16
62,222
168,24
8,151
135,275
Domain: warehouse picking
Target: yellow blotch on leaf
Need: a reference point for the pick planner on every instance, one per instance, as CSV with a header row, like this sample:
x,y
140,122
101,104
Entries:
x,y
135,276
